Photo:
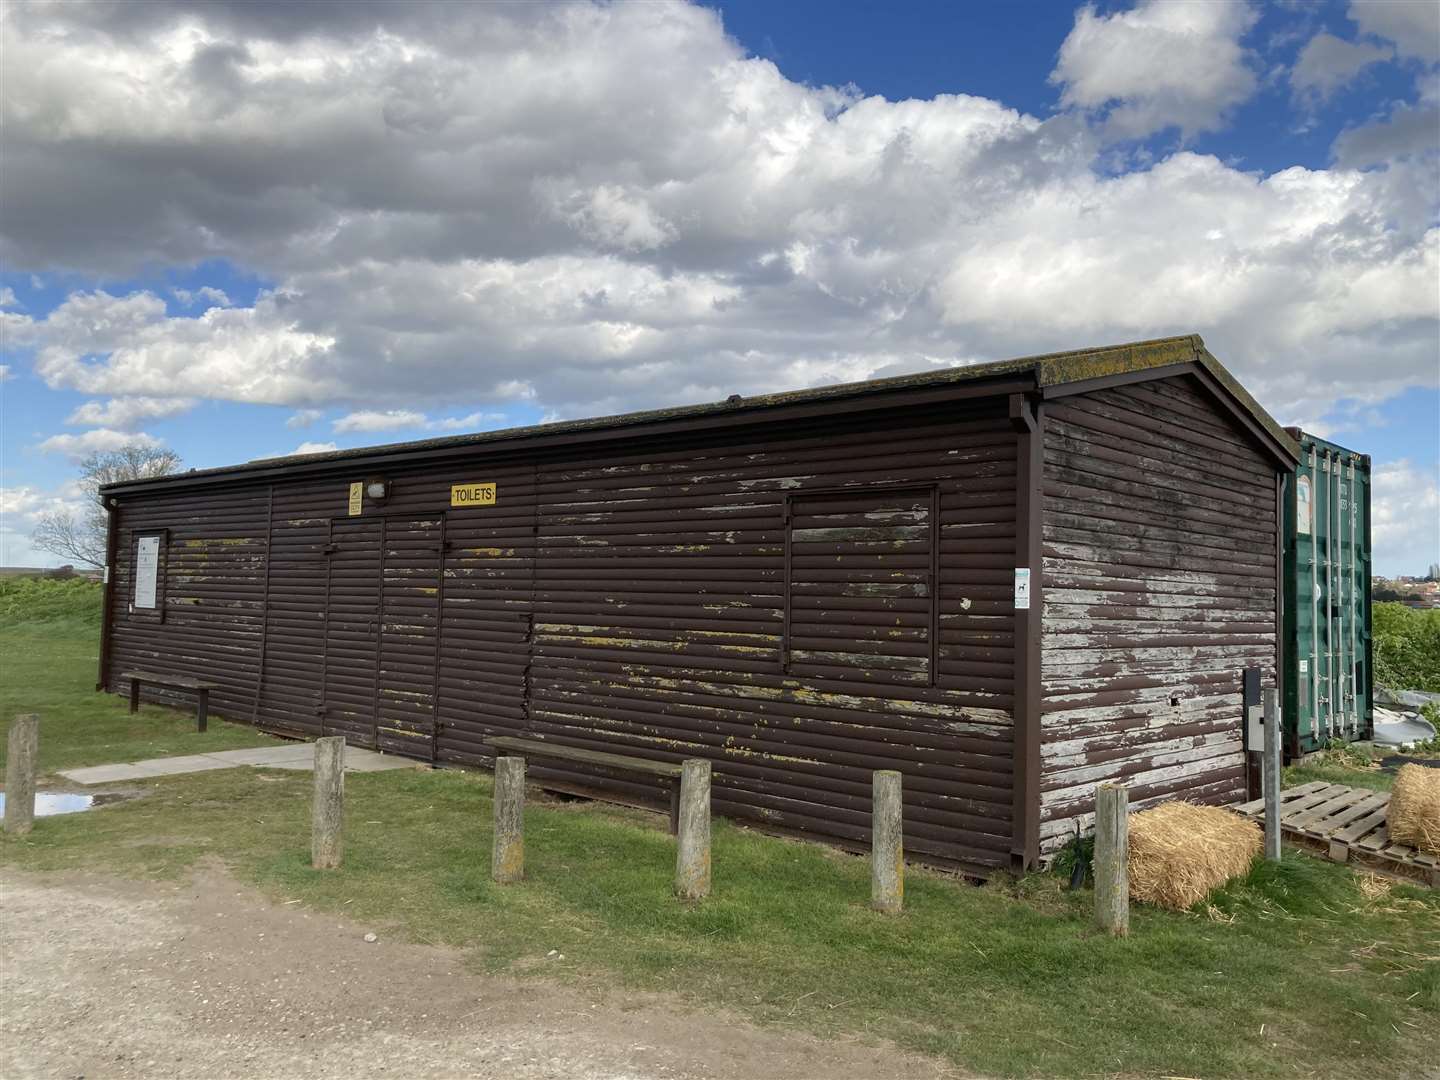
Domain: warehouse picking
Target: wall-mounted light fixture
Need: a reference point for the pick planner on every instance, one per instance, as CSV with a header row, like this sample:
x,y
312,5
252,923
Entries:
x,y
377,489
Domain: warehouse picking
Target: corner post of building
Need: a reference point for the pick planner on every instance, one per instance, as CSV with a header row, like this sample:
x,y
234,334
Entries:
x,y
1028,422
107,609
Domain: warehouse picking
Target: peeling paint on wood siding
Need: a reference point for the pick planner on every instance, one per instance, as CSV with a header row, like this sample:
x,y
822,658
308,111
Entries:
x,y
633,600
1160,574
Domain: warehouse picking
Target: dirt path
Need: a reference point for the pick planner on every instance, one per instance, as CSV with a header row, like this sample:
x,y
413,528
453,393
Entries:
x,y
101,977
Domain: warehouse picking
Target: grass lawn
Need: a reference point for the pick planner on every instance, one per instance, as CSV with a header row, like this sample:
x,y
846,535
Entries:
x,y
1294,970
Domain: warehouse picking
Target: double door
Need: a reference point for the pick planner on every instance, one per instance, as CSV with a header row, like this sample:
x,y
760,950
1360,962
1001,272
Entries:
x,y
384,589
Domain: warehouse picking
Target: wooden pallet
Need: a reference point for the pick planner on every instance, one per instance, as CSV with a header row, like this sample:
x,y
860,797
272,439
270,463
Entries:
x,y
1348,824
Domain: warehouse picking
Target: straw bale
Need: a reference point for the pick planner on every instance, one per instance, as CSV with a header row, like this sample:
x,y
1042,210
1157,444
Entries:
x,y
1414,815
1180,852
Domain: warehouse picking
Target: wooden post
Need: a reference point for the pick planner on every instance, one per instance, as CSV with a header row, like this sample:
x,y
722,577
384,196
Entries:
x,y
327,815
507,854
692,848
1112,856
1270,774
887,843
24,750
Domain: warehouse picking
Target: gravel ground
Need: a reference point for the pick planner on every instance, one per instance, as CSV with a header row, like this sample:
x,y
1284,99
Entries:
x,y
101,977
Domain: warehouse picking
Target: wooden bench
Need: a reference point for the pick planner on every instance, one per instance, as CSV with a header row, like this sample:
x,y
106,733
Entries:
x,y
667,773
183,682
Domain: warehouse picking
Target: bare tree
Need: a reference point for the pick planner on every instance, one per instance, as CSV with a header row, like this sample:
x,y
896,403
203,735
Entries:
x,y
80,535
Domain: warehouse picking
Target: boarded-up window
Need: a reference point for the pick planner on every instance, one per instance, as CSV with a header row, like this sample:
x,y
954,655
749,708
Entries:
x,y
859,596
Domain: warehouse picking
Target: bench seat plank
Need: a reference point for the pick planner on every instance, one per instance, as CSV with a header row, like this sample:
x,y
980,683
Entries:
x,y
669,774
537,748
158,679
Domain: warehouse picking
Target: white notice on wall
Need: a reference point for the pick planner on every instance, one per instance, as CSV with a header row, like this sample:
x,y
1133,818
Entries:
x,y
1022,588
147,570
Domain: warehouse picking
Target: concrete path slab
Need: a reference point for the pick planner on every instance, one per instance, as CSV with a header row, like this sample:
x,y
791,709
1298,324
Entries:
x,y
104,774
266,755
172,766
356,760
297,756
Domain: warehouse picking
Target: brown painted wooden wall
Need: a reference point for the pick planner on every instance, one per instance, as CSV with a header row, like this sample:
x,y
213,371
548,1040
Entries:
x,y
1159,588
634,599
760,596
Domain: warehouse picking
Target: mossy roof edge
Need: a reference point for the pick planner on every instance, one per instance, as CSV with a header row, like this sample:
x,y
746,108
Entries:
x,y
1049,369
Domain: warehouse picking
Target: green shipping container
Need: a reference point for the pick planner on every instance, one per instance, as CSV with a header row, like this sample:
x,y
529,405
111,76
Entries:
x,y
1328,694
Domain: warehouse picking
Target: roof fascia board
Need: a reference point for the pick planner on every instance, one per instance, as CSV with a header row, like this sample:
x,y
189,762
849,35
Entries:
x,y
540,442
1280,447
1125,378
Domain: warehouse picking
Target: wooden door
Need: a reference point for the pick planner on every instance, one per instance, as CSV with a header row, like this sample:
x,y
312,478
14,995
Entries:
x,y
352,626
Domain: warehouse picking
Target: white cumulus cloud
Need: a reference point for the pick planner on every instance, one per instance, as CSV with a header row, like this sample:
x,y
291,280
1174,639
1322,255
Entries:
x,y
314,448
594,208
1405,516
1327,63
1161,64
78,446
126,413
379,420
1413,25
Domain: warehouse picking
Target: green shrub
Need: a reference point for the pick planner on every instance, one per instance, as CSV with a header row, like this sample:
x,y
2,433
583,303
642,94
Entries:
x,y
1407,648
33,599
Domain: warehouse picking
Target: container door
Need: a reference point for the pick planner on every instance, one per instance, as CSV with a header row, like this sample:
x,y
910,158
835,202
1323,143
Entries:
x,y
408,661
1305,575
352,626
1333,678
1352,583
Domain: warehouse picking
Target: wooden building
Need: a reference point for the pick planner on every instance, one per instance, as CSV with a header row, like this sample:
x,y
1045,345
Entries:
x,y
1008,581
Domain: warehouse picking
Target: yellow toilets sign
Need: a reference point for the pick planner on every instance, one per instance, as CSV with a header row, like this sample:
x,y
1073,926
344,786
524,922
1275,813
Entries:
x,y
472,495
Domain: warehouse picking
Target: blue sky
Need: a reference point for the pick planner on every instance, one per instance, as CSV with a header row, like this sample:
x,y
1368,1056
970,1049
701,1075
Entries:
x,y
238,230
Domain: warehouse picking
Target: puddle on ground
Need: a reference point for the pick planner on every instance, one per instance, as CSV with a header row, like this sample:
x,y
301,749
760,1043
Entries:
x,y
50,803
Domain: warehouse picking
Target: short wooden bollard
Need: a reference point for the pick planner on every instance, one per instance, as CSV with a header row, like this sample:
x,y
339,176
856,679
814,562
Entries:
x,y
327,815
1112,857
24,750
507,856
692,854
887,843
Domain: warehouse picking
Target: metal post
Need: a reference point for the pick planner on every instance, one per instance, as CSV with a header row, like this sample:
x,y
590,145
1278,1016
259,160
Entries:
x,y
692,847
887,843
327,811
1112,858
20,766
1270,775
507,855
202,711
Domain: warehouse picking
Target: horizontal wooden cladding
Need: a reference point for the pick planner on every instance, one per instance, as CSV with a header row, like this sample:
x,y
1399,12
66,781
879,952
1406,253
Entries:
x,y
636,601
1159,570
210,585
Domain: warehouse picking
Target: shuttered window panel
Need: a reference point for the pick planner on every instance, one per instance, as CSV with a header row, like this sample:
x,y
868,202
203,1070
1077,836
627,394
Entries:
x,y
860,595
